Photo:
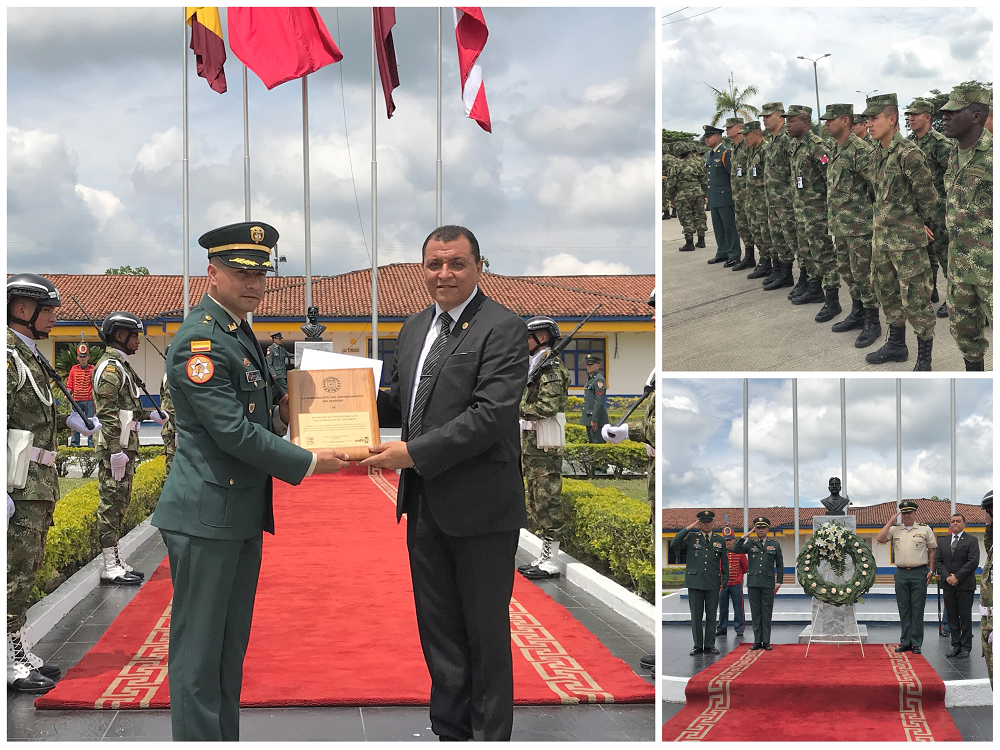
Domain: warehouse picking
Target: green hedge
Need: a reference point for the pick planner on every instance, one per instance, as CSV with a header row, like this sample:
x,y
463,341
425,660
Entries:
x,y
85,459
673,577
588,458
72,539
576,433
611,532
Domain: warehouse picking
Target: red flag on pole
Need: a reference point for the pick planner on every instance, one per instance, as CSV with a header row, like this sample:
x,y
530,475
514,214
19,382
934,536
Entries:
x,y
471,34
281,44
207,45
384,19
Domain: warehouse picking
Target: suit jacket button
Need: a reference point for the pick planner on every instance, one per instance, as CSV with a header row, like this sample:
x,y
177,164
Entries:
x,y
231,482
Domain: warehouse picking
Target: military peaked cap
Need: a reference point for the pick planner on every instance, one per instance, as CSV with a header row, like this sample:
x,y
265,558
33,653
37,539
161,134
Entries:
x,y
706,515
771,107
594,359
918,106
962,96
908,505
277,335
834,111
712,130
798,109
878,103
246,245
761,521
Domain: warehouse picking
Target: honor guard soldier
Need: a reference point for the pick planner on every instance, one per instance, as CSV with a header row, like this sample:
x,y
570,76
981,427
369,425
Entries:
x,y
169,429
32,482
765,574
543,438
116,400
277,360
595,393
705,573
913,546
986,589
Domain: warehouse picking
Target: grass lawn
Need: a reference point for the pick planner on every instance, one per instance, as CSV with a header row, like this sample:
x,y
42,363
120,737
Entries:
x,y
634,488
68,484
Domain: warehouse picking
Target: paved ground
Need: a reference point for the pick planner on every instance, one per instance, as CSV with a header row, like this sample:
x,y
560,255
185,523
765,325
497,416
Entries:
x,y
717,320
80,629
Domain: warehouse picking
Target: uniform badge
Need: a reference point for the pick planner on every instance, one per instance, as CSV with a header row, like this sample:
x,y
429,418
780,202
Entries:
x,y
252,405
253,376
600,384
233,326
257,234
200,369
201,346
109,368
798,181
824,159
246,362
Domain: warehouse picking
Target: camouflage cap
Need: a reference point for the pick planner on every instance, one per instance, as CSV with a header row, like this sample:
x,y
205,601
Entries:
x,y
734,121
859,119
837,110
752,125
962,96
918,106
798,109
878,103
771,107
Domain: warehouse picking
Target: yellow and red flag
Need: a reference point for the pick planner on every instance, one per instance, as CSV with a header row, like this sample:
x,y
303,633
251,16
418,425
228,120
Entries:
x,y
208,47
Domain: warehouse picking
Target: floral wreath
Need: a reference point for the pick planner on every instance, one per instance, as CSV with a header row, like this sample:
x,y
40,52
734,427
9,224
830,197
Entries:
x,y
834,543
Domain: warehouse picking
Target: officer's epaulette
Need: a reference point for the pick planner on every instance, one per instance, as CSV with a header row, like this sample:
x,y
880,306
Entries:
x,y
206,319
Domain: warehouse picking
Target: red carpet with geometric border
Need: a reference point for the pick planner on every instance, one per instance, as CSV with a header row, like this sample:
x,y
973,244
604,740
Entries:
x,y
334,623
831,695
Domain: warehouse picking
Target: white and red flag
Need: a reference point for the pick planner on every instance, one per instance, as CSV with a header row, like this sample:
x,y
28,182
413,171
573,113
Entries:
x,y
471,34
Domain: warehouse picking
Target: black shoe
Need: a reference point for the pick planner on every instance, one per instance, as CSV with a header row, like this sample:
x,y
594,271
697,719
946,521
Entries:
x,y
893,350
872,331
739,635
536,573
51,671
719,633
749,260
688,245
522,568
767,647
801,285
915,649
832,307
923,361
732,263
648,662
901,649
782,277
854,319
34,684
813,293
963,654
701,240
763,269
756,647
711,650
717,260
695,651
128,579
979,366
943,310
934,294
955,652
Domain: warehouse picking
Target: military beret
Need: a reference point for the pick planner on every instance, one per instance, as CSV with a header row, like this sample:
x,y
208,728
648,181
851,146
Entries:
x,y
771,107
82,349
837,110
712,130
962,96
761,521
752,125
918,106
798,109
878,103
594,359
277,335
734,121
908,505
987,503
245,245
706,515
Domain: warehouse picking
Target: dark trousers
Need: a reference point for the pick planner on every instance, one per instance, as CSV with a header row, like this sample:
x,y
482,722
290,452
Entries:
x,y
958,606
734,593
704,604
215,582
727,237
461,590
761,609
911,595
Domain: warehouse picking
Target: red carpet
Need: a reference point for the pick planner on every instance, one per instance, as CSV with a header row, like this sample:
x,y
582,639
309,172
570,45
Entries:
x,y
334,622
831,695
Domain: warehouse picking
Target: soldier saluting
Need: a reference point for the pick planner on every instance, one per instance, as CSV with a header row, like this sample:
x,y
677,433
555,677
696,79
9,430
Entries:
x,y
765,574
705,573
595,411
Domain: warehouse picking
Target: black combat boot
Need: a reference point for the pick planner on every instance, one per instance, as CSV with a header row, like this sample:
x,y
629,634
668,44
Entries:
x,y
872,330
813,293
784,277
923,361
666,215
943,310
832,307
800,286
893,350
776,270
979,366
749,260
855,319
688,243
673,212
763,269
934,293
701,240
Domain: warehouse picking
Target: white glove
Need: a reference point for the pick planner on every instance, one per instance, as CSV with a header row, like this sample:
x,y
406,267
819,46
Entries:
x,y
10,509
155,416
991,638
650,451
651,380
75,423
118,463
614,434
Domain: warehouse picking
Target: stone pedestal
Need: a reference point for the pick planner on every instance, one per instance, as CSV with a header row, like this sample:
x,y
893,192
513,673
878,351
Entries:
x,y
830,623
301,346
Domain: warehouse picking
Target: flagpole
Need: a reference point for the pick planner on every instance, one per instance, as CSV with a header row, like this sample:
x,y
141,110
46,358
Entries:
x,y
438,212
184,179
246,149
305,187
843,436
795,459
954,443
746,455
374,207
899,441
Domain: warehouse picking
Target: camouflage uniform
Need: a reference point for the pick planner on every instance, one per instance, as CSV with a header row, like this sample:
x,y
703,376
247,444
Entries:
x,y
969,188
168,431
938,150
755,198
688,186
737,177
30,406
543,466
778,188
670,163
901,271
809,158
645,432
115,390
986,600
849,217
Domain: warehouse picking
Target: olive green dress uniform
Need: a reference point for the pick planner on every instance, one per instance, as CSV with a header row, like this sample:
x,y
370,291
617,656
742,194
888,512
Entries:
x,y
277,360
718,168
766,568
594,407
216,504
910,548
707,569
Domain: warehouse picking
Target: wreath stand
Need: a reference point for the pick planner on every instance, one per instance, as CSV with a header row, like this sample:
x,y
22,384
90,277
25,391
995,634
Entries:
x,y
830,623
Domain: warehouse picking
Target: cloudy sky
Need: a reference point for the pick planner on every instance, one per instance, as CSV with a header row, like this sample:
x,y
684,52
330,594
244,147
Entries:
x,y
563,185
702,449
906,51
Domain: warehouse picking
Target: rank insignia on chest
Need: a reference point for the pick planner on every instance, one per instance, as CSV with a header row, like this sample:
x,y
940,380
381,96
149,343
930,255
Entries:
x,y
246,362
109,368
233,326
201,346
253,376
824,159
200,369
717,544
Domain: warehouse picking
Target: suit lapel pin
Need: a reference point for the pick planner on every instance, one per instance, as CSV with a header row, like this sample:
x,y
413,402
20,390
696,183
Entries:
x,y
246,362
252,405
465,325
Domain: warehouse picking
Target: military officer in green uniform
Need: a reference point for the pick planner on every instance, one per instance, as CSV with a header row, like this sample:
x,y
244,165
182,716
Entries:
x,y
705,573
543,437
986,589
277,360
718,168
913,547
595,411
765,575
216,503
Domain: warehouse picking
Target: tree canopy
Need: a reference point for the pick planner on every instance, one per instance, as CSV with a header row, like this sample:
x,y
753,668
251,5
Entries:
x,y
735,100
127,271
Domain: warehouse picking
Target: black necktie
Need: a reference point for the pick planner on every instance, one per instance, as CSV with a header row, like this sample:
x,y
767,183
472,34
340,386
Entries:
x,y
954,541
424,386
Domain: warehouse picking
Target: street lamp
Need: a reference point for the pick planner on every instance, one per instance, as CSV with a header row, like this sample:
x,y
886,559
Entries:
x,y
867,93
816,77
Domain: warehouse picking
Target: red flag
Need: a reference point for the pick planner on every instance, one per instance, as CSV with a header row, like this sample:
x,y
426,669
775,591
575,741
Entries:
x,y
471,34
384,19
207,45
281,44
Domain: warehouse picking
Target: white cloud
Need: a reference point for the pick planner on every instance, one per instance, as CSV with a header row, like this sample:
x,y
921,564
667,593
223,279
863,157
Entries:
x,y
161,150
103,204
565,264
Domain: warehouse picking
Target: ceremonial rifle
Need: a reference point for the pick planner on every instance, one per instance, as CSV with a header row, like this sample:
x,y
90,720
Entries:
x,y
645,394
150,342
135,375
51,373
558,347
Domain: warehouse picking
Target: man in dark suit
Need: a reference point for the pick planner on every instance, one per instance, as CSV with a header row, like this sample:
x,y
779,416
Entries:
x,y
460,369
718,164
216,503
957,560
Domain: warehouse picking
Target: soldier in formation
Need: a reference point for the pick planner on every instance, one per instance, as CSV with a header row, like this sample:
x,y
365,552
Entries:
x,y
739,149
754,198
169,430
765,574
718,166
685,186
595,394
670,163
986,589
705,573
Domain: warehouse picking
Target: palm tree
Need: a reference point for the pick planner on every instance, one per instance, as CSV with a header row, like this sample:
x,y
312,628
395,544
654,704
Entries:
x,y
734,100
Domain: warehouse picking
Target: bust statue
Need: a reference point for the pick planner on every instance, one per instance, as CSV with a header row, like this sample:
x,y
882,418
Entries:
x,y
313,329
836,502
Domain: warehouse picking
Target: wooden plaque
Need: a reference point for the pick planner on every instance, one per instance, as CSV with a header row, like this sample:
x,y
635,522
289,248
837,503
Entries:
x,y
333,409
